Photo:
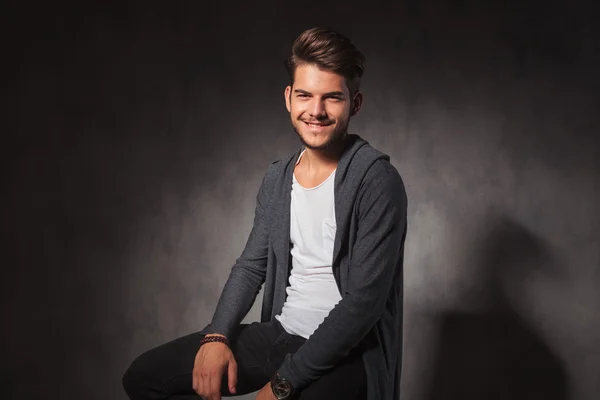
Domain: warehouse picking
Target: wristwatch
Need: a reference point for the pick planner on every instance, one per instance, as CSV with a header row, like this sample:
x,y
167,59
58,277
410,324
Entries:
x,y
281,387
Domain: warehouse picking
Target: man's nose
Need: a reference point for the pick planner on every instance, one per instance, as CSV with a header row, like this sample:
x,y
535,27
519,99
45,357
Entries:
x,y
317,108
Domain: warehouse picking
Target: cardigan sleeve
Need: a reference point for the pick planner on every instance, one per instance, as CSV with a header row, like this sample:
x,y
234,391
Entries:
x,y
248,273
374,258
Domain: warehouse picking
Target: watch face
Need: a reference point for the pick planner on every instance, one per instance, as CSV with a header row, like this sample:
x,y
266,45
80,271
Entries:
x,y
281,388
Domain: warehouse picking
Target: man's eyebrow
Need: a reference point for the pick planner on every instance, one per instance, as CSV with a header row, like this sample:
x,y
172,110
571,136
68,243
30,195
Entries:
x,y
336,93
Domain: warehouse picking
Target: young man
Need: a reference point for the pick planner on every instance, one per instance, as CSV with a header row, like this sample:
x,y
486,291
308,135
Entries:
x,y
328,244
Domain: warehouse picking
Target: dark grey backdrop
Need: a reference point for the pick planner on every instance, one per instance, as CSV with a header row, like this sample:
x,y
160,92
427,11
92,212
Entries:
x,y
137,135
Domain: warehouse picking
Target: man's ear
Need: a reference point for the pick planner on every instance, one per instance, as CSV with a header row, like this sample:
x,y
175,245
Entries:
x,y
356,103
287,93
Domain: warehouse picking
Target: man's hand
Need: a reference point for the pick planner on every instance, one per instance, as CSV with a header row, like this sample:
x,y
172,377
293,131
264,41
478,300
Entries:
x,y
212,360
266,393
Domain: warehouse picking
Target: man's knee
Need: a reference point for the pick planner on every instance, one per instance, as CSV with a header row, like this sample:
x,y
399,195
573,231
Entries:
x,y
130,380
134,379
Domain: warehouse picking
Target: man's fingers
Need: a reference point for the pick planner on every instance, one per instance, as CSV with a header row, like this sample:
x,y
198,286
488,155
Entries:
x,y
204,386
204,389
232,376
195,380
215,387
201,388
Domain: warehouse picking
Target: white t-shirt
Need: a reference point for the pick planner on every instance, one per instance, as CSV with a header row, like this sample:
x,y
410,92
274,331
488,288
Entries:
x,y
312,292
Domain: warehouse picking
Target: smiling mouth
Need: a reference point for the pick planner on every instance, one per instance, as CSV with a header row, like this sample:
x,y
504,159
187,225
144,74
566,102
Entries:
x,y
312,125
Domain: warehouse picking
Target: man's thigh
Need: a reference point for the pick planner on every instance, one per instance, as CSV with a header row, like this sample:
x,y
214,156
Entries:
x,y
167,369
251,348
346,381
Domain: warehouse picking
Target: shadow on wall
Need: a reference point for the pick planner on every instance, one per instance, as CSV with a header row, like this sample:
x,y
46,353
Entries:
x,y
494,355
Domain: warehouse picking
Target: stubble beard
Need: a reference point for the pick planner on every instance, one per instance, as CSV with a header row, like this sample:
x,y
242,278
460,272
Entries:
x,y
334,140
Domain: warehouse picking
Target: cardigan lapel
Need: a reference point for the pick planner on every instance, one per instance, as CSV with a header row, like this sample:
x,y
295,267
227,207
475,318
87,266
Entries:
x,y
281,212
345,189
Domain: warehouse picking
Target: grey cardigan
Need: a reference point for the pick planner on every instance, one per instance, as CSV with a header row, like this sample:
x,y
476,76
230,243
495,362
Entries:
x,y
370,208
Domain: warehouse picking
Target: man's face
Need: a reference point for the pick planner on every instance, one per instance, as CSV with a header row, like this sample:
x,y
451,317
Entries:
x,y
320,106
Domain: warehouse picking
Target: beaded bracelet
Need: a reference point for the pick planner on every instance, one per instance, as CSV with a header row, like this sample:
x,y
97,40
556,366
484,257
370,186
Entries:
x,y
219,339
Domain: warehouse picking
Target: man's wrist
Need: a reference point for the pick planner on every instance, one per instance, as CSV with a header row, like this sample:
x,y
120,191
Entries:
x,y
214,338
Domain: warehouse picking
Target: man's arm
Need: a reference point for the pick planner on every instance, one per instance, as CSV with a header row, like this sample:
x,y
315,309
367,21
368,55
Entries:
x,y
381,227
249,271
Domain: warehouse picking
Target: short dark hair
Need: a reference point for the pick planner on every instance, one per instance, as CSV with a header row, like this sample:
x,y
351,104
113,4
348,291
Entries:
x,y
330,51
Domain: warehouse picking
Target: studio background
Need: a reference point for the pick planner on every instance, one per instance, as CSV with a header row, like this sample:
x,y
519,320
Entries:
x,y
137,135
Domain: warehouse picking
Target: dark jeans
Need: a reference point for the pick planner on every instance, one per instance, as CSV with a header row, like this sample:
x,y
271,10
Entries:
x,y
165,372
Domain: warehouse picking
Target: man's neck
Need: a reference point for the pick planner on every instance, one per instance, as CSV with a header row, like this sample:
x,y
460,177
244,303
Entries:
x,y
325,160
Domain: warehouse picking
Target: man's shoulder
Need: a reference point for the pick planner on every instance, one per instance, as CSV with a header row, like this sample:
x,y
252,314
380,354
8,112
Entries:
x,y
278,166
276,170
383,176
378,163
